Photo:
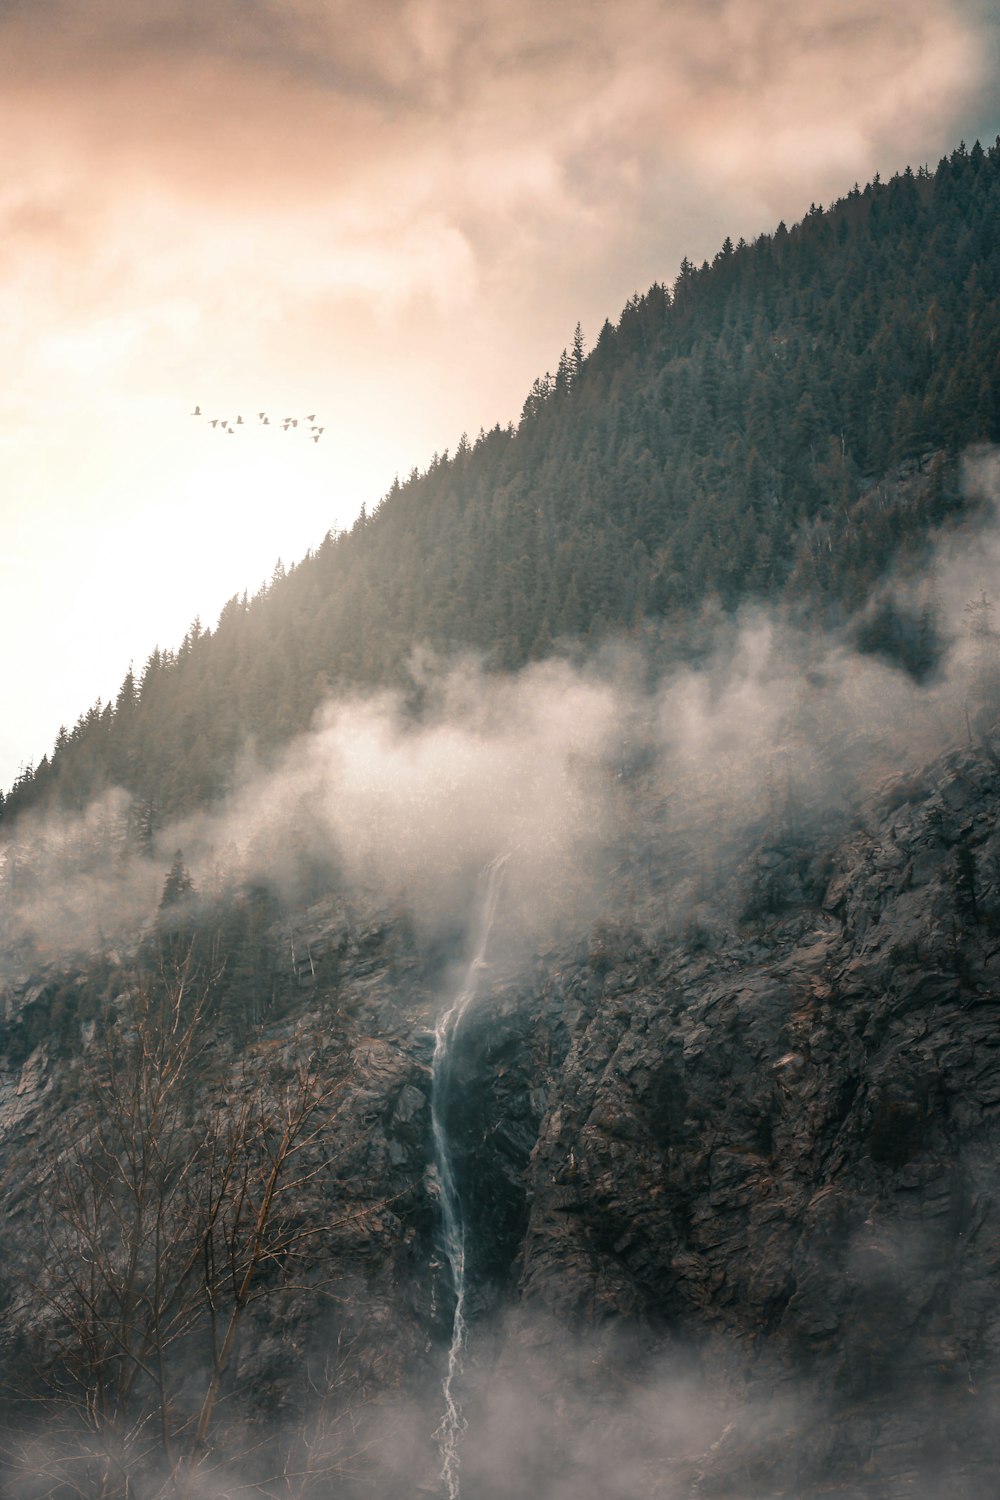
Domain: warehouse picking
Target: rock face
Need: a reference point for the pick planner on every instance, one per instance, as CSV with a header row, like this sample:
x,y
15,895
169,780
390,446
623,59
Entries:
x,y
790,1144
731,1201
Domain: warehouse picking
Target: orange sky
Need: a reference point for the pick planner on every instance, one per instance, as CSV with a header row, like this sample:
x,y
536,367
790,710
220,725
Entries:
x,y
390,214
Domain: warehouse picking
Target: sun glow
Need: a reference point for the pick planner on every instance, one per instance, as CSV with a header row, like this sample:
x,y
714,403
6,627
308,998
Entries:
x,y
259,495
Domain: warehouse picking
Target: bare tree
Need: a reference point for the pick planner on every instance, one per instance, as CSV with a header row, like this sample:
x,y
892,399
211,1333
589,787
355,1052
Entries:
x,y
177,1202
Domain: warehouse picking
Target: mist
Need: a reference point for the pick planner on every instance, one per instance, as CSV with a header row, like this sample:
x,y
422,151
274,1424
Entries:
x,y
613,790
579,773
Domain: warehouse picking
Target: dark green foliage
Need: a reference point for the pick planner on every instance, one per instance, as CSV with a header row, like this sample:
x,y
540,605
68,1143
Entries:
x,y
906,638
782,424
246,978
55,1017
178,885
50,1019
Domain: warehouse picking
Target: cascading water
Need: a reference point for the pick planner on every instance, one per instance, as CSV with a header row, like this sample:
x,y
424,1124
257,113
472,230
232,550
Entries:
x,y
452,1423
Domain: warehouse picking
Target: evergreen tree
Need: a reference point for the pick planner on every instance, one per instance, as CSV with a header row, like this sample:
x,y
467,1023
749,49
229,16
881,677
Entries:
x,y
744,433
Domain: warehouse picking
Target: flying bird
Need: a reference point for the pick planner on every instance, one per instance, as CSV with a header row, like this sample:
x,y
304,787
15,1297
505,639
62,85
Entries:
x,y
265,421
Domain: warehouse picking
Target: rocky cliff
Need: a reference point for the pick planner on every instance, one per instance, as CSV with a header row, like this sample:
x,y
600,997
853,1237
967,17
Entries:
x,y
730,1188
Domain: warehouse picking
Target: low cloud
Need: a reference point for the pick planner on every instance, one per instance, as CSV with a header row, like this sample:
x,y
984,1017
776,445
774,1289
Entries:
x,y
573,771
415,809
583,776
395,215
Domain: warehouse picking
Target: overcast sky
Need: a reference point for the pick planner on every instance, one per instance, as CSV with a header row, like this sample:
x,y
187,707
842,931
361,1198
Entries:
x,y
389,215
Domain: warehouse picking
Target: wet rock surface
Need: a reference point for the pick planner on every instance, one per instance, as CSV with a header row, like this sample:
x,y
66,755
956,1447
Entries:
x,y
766,1155
791,1142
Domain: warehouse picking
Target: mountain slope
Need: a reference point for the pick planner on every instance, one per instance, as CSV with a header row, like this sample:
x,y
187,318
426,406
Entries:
x,y
721,1113
754,432
729,1196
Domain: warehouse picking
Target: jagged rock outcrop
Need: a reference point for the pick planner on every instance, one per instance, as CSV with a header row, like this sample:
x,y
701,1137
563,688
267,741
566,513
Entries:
x,y
758,1165
789,1144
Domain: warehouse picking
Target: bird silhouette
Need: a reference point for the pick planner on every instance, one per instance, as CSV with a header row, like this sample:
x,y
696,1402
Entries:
x,y
265,421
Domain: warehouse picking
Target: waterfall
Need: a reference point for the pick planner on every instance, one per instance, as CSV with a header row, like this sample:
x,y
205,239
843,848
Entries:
x,y
452,1423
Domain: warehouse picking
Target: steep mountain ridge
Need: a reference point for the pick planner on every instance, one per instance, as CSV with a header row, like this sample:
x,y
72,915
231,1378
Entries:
x,y
738,436
723,1115
731,1195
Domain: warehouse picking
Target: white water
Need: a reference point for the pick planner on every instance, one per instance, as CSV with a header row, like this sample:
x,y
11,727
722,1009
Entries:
x,y
452,1424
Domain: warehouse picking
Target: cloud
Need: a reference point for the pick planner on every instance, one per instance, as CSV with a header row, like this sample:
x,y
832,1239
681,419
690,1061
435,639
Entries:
x,y
421,155
402,188
580,774
404,207
415,809
71,884
568,114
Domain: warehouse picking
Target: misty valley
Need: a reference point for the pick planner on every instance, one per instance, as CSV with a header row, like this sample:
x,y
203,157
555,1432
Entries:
x,y
512,1009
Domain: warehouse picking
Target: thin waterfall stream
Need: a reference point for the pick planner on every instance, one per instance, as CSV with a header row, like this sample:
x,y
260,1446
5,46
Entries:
x,y
452,1424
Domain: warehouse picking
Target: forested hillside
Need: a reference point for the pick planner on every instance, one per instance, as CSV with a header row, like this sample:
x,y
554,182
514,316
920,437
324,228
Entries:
x,y
753,431
586,1075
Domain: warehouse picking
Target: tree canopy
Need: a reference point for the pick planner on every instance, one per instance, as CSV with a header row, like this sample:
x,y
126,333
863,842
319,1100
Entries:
x,y
752,431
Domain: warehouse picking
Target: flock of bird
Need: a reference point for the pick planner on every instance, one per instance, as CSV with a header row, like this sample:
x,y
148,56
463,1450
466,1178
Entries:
x,y
223,424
